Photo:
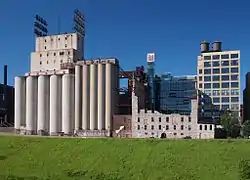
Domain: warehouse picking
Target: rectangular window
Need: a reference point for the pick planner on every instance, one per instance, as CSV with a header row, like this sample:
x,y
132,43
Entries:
x,y
174,127
234,106
159,127
225,56
234,63
235,92
225,99
207,57
216,71
167,127
216,85
234,77
145,127
207,64
216,100
216,63
138,127
234,84
216,92
200,78
167,119
200,85
234,99
234,70
233,56
225,106
225,78
207,78
225,92
216,56
225,63
207,86
224,70
200,71
152,127
207,71
216,78
225,85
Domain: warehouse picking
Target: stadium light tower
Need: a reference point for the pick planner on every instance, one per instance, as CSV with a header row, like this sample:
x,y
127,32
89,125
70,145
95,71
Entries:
x,y
79,22
40,26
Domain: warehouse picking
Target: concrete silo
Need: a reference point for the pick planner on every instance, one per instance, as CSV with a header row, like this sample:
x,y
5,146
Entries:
x,y
78,97
101,97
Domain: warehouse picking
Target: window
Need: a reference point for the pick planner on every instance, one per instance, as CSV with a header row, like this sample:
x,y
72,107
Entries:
x,y
61,53
45,40
234,84
216,85
159,119
234,77
234,63
224,70
216,63
225,92
40,55
47,62
200,127
225,85
47,54
145,127
234,56
225,63
234,99
167,119
182,119
225,78
207,71
207,64
182,127
45,47
207,78
58,39
189,119
234,70
189,128
216,92
207,57
167,127
216,56
174,127
225,99
175,134
138,127
138,119
216,100
216,78
225,56
205,127
234,92
40,62
235,106
182,134
68,52
211,127
216,71
200,85
65,38
61,61
152,127
159,127
225,106
65,45
200,78
200,71
54,54
207,85
152,119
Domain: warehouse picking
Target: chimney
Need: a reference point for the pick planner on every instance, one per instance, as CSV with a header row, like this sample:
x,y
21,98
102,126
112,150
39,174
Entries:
x,y
5,82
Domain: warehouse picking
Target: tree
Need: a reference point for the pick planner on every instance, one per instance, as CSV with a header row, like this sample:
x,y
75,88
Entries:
x,y
246,128
230,124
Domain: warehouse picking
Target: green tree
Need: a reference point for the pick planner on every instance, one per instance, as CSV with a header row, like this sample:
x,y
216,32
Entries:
x,y
246,128
230,124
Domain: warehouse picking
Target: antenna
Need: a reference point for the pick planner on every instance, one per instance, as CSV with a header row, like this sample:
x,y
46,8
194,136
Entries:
x,y
40,26
59,24
79,22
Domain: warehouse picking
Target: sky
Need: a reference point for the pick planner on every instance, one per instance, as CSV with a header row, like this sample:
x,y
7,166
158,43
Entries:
x,y
129,29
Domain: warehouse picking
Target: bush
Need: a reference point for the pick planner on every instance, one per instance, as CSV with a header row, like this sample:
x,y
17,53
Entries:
x,y
244,168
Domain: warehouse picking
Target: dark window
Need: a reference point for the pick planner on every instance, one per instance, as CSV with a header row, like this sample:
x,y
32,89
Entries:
x,y
225,78
225,56
216,63
234,84
159,127
175,134
234,56
152,119
200,85
211,127
65,38
207,86
207,71
45,40
234,70
189,128
182,127
40,55
216,100
58,39
216,56
200,127
159,119
138,119
234,92
207,57
167,119
182,134
189,119
207,64
69,53
216,71
65,45
205,127
200,71
45,47
207,78
54,54
216,85
225,106
200,78
234,99
225,63
182,119
145,127
216,78
224,70
167,128
61,53
225,85
225,99
40,62
174,127
234,77
234,63
152,127
138,127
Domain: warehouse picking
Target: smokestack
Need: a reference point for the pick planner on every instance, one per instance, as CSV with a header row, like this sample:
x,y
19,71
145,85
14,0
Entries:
x,y
5,82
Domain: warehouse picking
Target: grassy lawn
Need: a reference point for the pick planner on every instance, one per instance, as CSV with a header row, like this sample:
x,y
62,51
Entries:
x,y
26,158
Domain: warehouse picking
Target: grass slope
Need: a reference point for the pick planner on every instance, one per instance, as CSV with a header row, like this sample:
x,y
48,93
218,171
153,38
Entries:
x,y
25,158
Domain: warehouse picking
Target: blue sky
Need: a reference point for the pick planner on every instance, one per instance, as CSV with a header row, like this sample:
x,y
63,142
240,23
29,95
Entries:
x,y
128,29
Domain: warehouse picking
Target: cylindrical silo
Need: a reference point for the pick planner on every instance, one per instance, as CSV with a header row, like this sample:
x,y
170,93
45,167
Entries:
x,y
31,105
55,104
101,97
43,105
93,97
204,46
78,98
19,103
85,97
108,98
68,104
217,46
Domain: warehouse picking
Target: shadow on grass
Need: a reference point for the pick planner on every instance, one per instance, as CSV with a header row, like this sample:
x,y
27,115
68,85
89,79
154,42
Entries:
x,y
12,177
3,158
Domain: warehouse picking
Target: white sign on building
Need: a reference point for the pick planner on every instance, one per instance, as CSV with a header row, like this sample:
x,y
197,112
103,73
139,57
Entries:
x,y
150,57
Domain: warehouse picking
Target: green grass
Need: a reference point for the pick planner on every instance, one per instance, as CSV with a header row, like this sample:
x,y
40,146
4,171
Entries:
x,y
26,158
